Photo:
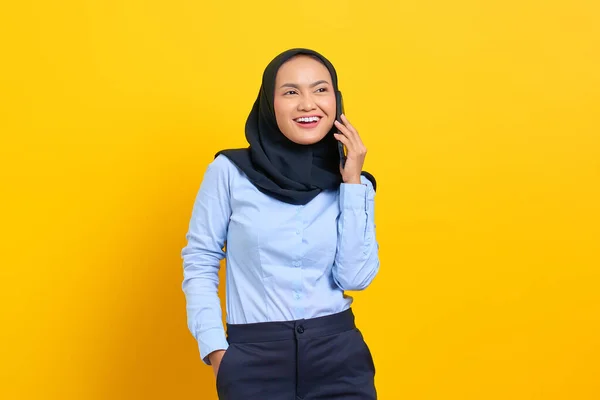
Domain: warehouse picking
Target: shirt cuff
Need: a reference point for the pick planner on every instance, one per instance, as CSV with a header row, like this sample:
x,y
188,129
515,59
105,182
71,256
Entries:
x,y
354,196
211,340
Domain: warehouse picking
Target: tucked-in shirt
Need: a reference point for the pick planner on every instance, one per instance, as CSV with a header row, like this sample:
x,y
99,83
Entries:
x,y
283,262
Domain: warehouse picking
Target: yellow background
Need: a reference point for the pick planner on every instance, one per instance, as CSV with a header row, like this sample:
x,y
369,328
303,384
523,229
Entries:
x,y
483,128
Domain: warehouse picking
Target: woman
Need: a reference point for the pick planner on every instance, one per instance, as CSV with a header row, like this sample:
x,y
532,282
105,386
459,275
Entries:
x,y
299,231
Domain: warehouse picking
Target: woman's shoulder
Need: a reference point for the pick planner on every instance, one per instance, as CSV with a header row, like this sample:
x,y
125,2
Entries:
x,y
222,165
221,169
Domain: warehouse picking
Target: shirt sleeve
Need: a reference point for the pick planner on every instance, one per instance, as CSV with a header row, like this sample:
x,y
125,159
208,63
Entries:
x,y
357,260
202,255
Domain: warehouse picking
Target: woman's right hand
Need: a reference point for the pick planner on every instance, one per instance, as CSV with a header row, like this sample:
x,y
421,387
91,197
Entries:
x,y
215,360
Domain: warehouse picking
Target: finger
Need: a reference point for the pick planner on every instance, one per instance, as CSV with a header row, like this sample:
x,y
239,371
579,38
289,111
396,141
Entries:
x,y
351,133
345,141
349,125
353,149
345,131
352,129
354,145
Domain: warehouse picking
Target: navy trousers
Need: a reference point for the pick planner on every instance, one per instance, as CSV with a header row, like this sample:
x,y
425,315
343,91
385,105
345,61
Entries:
x,y
314,359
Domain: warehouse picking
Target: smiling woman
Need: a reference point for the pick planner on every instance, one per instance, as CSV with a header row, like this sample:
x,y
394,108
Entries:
x,y
300,232
305,100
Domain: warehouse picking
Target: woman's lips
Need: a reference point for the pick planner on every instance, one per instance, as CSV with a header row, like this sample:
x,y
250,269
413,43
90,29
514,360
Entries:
x,y
308,125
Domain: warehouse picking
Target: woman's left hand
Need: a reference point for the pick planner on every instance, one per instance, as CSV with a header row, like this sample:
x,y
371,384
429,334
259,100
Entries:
x,y
356,151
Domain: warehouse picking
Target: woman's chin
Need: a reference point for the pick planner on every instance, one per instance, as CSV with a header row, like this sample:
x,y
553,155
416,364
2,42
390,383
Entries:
x,y
306,137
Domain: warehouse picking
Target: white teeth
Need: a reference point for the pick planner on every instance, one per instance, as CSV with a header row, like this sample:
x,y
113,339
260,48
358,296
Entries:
x,y
309,119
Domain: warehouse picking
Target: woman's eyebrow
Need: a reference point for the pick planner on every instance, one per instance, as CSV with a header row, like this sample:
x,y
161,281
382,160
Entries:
x,y
298,87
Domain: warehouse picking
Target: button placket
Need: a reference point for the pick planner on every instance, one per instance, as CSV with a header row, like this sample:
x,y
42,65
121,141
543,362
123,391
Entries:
x,y
299,220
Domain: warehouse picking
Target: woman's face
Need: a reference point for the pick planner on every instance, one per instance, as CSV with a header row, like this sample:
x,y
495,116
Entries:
x,y
304,100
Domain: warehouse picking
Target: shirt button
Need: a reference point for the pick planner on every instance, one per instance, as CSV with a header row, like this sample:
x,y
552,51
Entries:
x,y
297,231
300,329
296,263
297,296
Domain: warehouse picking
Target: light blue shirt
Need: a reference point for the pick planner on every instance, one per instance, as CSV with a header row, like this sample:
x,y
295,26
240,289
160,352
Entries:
x,y
284,262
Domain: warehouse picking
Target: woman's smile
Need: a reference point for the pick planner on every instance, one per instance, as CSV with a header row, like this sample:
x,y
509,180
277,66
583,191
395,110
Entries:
x,y
308,122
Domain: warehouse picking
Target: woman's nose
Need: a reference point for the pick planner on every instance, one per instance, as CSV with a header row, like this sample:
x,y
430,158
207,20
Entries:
x,y
306,103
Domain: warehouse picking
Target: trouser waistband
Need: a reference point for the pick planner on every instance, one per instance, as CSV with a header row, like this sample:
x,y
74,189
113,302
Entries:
x,y
285,330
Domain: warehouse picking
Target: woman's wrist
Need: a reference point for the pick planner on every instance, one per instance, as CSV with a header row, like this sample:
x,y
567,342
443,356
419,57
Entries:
x,y
215,356
355,180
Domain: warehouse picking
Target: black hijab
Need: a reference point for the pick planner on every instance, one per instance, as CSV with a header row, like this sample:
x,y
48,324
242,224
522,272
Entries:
x,y
278,167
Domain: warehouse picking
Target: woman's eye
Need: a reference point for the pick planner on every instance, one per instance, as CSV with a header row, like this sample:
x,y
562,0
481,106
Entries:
x,y
290,92
321,90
